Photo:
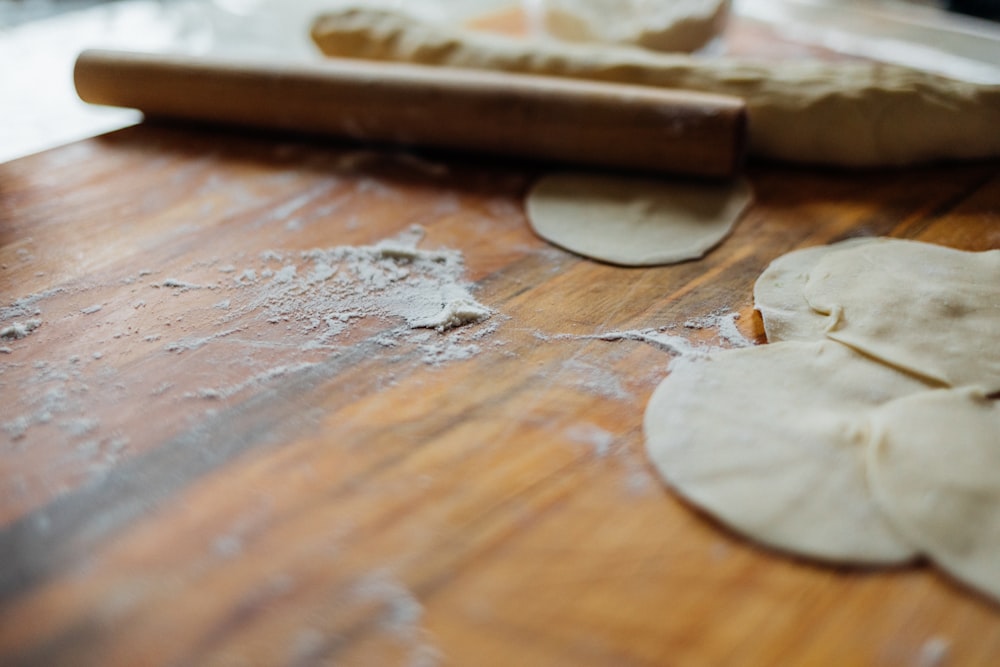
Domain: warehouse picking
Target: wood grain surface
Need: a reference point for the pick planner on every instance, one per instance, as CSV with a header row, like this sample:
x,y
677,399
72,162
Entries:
x,y
359,505
186,479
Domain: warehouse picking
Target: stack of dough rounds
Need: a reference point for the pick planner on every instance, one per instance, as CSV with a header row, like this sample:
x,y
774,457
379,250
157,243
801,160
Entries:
x,y
778,296
782,460
927,309
868,430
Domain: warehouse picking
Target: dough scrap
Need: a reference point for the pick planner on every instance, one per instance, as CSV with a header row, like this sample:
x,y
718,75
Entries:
x,y
928,309
844,114
770,440
777,293
634,221
679,25
934,469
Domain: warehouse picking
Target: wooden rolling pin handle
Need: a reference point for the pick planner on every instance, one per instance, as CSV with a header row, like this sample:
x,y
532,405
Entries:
x,y
586,123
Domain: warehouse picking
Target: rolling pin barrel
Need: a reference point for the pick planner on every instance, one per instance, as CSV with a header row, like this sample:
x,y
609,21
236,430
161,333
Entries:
x,y
585,123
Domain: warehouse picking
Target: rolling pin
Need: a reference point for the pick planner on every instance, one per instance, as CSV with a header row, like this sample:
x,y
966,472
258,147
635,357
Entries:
x,y
537,117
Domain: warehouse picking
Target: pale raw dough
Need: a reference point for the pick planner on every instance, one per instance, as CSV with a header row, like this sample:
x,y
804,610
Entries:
x,y
925,308
677,25
778,297
934,466
846,114
770,440
634,221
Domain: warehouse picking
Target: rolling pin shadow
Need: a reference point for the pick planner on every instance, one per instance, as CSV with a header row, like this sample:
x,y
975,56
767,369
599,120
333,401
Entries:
x,y
536,117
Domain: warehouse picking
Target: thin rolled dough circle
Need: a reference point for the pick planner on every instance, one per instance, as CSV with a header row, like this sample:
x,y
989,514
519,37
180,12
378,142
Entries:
x,y
777,293
933,466
678,25
928,309
770,440
634,221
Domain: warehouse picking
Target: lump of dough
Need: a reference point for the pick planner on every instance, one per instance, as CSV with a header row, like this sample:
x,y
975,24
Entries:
x,y
634,221
678,25
845,114
777,293
934,469
771,441
931,310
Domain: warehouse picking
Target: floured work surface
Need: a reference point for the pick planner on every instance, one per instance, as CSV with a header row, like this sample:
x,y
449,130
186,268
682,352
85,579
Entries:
x,y
224,439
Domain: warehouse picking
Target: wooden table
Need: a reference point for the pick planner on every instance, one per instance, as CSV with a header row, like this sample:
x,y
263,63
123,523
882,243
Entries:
x,y
180,486
359,505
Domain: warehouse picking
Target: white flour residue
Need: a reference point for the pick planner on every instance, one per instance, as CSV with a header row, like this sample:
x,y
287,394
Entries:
x,y
934,652
25,312
193,342
655,337
399,615
598,439
633,471
180,285
323,291
724,323
257,380
319,294
315,296
27,306
596,379
439,352
19,330
54,396
55,404
396,616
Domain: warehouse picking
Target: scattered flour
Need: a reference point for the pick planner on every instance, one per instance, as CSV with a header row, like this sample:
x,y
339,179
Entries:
x,y
194,342
655,337
180,285
439,352
597,379
19,330
216,393
594,436
934,652
56,395
725,323
27,306
322,291
318,298
399,615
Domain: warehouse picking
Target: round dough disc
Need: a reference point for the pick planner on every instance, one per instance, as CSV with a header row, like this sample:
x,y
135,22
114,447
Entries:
x,y
934,466
778,297
925,308
770,440
634,221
